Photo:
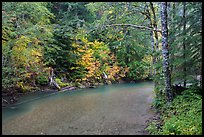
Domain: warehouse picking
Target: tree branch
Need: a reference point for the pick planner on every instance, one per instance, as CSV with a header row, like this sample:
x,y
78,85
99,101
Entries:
x,y
134,26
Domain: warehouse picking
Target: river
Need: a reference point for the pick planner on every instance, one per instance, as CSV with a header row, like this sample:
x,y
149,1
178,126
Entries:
x,y
118,109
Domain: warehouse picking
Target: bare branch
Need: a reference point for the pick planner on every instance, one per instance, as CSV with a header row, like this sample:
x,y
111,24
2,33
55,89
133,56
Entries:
x,y
134,26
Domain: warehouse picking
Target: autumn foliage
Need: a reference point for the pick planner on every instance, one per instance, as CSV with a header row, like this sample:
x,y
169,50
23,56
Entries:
x,y
96,58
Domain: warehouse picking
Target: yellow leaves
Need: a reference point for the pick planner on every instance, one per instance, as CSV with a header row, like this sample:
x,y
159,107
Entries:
x,y
97,63
110,36
96,58
112,71
78,80
23,86
23,41
85,40
27,75
110,11
81,50
19,48
123,72
36,41
96,43
72,68
84,79
36,53
27,59
19,54
25,56
74,45
126,69
20,84
147,59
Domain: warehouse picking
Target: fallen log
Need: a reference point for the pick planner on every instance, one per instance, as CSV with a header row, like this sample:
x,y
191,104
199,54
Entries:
x,y
52,81
4,102
68,88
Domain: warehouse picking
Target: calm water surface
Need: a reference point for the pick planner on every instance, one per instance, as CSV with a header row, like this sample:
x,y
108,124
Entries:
x,y
109,109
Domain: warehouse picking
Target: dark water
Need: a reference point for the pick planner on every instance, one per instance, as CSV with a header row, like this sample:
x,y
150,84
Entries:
x,y
39,113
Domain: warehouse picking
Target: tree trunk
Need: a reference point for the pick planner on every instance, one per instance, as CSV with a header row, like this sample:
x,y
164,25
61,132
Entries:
x,y
151,22
153,54
172,37
165,52
127,47
105,78
184,46
154,25
52,81
155,32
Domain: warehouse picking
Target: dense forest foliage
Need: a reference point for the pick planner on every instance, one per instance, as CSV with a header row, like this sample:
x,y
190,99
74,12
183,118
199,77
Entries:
x,y
93,43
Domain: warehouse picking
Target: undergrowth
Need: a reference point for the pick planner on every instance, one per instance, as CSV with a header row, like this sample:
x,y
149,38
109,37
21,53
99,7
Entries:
x,y
182,117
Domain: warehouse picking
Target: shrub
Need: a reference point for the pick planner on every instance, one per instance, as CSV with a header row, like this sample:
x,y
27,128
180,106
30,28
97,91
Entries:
x,y
42,80
60,83
183,117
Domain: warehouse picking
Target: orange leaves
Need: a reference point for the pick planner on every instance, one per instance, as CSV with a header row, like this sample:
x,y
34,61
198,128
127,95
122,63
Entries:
x,y
86,60
96,58
90,54
112,71
124,71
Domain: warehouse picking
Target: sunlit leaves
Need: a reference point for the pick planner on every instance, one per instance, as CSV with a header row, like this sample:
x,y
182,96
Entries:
x,y
96,58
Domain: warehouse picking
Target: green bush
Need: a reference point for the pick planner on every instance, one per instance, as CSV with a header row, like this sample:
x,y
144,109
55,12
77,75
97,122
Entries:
x,y
42,80
183,117
186,121
61,84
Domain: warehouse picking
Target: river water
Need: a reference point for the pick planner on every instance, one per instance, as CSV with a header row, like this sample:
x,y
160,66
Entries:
x,y
110,109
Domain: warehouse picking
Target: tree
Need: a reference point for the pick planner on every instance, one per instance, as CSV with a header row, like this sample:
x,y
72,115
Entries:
x,y
25,30
36,36
70,17
185,41
165,52
121,29
184,45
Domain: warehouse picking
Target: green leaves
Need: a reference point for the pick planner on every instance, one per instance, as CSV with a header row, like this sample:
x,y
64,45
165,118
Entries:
x,y
26,28
182,117
187,118
50,28
190,37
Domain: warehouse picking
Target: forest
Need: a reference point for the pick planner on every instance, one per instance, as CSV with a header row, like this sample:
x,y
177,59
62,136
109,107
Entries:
x,y
69,45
